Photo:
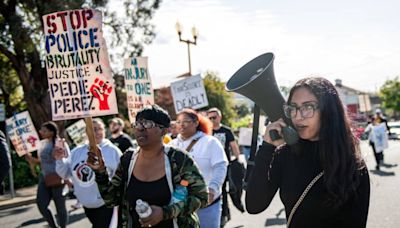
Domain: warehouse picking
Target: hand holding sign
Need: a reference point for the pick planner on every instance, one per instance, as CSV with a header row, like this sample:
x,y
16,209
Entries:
x,y
95,159
96,162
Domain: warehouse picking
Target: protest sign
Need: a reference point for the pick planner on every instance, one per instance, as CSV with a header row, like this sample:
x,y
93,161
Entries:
x,y
22,133
139,90
189,93
78,70
245,136
77,132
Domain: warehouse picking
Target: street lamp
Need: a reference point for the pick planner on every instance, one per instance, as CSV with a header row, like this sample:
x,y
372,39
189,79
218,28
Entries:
x,y
195,34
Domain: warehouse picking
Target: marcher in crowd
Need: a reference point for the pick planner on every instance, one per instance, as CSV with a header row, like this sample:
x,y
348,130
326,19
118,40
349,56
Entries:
x,y
74,166
173,130
122,140
322,180
49,134
195,137
378,139
151,173
225,136
380,118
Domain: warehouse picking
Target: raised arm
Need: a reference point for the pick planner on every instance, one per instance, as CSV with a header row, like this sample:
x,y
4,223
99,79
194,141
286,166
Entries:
x,y
111,191
63,161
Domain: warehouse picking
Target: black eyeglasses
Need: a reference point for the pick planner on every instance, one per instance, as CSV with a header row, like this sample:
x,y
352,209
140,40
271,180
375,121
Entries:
x,y
146,124
306,110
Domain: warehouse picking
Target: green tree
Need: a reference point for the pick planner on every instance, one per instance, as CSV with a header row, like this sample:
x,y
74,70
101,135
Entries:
x,y
219,97
11,94
390,94
21,31
242,110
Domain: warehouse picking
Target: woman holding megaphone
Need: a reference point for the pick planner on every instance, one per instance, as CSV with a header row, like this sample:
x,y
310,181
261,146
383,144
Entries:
x,y
322,179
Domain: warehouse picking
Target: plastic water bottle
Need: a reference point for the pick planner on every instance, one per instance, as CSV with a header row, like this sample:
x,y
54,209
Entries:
x,y
180,193
143,209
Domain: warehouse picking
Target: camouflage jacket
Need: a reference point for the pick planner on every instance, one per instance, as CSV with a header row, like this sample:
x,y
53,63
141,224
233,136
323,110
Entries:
x,y
179,165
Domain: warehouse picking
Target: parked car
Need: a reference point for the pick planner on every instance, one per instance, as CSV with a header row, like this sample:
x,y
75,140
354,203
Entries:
x,y
394,130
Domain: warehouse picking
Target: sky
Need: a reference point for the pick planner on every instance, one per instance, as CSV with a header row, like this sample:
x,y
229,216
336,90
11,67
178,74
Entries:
x,y
355,41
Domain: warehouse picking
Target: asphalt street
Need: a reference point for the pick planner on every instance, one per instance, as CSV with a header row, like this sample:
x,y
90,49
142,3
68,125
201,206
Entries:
x,y
383,212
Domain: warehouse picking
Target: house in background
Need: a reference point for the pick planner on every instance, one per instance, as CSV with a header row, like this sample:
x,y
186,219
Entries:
x,y
359,104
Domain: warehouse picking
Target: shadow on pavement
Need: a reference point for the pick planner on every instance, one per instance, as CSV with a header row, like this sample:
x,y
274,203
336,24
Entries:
x,y
276,220
76,217
32,222
6,213
72,219
388,165
382,173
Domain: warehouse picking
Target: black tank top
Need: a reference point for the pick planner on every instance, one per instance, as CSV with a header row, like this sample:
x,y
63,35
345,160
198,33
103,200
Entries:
x,y
154,192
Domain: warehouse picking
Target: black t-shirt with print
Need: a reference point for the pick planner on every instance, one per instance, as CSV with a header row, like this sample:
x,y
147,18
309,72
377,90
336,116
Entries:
x,y
225,136
123,142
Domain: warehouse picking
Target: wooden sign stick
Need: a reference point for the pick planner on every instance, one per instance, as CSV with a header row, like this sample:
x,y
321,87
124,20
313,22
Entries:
x,y
90,135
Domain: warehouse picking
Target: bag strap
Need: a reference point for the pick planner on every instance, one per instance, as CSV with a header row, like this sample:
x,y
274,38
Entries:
x,y
194,141
301,198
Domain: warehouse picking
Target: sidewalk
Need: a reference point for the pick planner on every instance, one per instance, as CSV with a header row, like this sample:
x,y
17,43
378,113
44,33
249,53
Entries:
x,y
23,196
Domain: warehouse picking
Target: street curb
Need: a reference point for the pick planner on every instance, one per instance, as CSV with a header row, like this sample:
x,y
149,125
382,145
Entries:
x,y
17,203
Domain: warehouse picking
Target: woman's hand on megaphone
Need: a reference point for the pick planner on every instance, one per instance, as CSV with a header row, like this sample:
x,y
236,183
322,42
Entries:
x,y
277,126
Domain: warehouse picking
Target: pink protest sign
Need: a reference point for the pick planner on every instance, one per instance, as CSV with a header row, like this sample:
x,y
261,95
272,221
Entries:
x,y
78,70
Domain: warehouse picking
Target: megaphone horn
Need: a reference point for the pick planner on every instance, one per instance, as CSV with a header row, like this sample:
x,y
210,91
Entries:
x,y
256,81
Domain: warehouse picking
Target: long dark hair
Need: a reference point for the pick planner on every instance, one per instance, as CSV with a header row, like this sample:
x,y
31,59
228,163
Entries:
x,y
51,126
339,150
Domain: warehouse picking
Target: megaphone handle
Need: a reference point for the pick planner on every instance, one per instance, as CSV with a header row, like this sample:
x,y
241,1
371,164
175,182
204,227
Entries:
x,y
274,135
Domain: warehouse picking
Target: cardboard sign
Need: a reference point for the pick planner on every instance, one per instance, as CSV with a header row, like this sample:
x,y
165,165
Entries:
x,y
78,69
139,90
189,93
77,132
245,136
22,133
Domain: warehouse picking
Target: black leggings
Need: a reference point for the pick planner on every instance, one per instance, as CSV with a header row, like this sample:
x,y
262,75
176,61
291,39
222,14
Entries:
x,y
378,156
99,217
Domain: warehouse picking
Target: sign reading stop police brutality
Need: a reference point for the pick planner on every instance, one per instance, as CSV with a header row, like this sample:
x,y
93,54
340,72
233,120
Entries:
x,y
22,133
139,90
78,70
189,93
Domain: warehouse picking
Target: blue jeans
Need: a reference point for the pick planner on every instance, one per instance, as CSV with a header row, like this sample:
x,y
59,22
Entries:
x,y
210,217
